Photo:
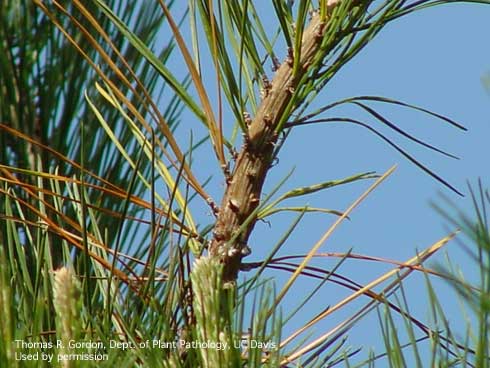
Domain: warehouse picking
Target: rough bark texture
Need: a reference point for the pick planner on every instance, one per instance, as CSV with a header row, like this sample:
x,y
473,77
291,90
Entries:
x,y
244,187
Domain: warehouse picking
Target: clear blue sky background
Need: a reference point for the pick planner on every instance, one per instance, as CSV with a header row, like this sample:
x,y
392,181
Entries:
x,y
435,59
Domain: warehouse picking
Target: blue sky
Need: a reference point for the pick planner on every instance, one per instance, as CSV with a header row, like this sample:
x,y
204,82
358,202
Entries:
x,y
435,59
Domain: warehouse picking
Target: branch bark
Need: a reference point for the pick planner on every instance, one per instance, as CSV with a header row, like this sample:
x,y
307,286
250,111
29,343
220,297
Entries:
x,y
244,187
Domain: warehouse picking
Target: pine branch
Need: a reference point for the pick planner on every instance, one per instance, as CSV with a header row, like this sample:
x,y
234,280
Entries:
x,y
236,218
